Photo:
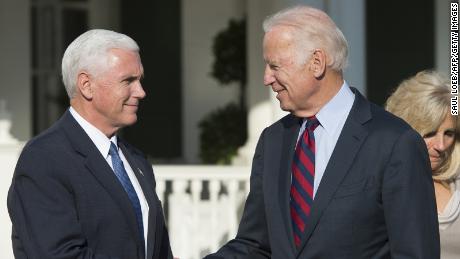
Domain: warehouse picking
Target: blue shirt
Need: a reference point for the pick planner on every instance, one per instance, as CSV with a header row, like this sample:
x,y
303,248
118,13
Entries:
x,y
331,117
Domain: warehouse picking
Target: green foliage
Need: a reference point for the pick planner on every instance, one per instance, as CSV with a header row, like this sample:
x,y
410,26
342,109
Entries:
x,y
222,132
229,50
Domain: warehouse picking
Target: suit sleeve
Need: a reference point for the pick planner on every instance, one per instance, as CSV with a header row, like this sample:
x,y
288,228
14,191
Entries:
x,y
409,201
43,212
252,238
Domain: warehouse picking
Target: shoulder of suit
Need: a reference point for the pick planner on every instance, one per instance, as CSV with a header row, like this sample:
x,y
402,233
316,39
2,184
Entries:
x,y
381,116
44,153
285,122
53,138
385,125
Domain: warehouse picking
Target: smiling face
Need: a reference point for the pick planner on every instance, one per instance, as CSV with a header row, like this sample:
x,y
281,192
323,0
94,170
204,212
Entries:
x,y
440,142
293,82
117,91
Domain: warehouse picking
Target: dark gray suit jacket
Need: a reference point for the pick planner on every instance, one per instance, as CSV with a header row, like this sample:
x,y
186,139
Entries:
x,y
375,200
66,202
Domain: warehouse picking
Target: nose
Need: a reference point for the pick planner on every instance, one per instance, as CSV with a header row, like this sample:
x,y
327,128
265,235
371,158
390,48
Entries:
x,y
138,91
440,144
269,76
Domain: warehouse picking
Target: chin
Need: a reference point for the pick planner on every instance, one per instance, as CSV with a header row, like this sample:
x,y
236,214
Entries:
x,y
284,107
130,120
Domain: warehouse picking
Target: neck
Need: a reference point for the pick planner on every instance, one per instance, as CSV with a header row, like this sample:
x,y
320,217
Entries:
x,y
329,85
92,117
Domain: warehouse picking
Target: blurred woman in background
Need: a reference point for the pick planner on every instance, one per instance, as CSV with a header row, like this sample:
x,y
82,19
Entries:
x,y
423,101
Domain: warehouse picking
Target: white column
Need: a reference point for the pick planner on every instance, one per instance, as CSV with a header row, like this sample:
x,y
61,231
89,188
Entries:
x,y
232,208
350,18
160,189
15,64
196,188
179,212
214,188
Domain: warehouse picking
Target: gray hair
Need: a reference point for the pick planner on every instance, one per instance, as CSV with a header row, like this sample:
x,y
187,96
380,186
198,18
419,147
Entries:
x,y
89,52
312,29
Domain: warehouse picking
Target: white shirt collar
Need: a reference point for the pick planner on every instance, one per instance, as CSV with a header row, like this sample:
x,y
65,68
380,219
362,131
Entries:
x,y
97,137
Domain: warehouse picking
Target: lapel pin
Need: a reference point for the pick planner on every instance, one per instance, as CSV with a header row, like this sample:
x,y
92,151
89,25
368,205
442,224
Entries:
x,y
140,171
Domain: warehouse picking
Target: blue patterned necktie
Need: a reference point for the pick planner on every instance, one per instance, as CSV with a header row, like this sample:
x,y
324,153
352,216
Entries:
x,y
122,176
303,178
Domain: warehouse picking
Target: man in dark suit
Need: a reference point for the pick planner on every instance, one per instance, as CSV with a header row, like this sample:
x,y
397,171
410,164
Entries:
x,y
78,190
338,177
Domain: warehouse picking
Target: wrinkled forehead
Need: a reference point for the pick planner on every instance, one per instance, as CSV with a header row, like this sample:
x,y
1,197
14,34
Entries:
x,y
121,61
116,54
281,32
124,58
278,43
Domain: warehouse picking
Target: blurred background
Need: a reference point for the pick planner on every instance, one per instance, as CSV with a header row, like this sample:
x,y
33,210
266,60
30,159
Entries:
x,y
389,41
206,103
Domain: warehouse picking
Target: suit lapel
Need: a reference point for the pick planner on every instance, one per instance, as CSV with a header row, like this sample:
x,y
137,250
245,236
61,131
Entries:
x,y
106,177
351,138
146,184
99,168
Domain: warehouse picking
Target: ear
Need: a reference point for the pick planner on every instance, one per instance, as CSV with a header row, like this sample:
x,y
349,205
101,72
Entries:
x,y
84,85
318,63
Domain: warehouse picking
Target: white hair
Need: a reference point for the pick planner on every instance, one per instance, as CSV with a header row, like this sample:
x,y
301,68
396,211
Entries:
x,y
312,29
89,52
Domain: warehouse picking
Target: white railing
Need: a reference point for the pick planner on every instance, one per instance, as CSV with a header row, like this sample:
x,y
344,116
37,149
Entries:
x,y
203,205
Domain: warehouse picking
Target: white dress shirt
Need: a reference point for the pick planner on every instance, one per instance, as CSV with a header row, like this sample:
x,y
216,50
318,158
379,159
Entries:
x,y
103,145
331,117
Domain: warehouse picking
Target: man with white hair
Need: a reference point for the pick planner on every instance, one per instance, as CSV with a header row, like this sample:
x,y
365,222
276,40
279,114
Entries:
x,y
79,190
338,177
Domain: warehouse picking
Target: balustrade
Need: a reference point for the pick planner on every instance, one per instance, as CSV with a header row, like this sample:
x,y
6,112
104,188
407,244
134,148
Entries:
x,y
203,205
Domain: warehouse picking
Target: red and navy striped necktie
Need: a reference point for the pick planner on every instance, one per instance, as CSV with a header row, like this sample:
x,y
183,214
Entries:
x,y
303,177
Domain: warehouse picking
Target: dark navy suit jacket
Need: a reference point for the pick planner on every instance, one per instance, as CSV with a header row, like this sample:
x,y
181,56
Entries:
x,y
66,202
375,200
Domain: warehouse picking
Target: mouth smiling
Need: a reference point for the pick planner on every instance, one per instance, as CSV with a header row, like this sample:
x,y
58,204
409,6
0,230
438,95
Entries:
x,y
133,107
278,91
